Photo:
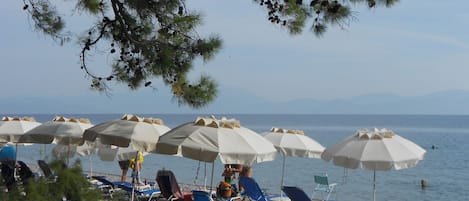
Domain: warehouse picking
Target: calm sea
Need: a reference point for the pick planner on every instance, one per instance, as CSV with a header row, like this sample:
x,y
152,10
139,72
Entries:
x,y
445,168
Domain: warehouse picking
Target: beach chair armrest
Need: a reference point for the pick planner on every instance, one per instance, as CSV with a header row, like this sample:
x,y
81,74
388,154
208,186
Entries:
x,y
235,198
173,198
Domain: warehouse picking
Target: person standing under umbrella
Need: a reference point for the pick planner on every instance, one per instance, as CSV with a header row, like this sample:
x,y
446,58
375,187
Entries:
x,y
136,165
124,165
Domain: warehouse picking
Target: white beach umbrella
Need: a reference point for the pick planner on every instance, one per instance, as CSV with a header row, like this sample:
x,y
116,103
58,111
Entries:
x,y
12,128
209,138
61,130
129,131
374,149
137,133
293,143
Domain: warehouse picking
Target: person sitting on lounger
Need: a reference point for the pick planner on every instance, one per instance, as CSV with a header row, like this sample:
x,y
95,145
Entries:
x,y
229,174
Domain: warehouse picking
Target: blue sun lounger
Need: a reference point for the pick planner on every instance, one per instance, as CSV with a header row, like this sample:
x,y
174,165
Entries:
x,y
201,196
106,186
142,194
253,190
295,193
105,181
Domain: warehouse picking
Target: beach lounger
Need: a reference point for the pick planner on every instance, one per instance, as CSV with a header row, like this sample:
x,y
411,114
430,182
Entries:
x,y
142,192
201,196
295,193
169,186
105,181
323,186
46,170
253,190
106,186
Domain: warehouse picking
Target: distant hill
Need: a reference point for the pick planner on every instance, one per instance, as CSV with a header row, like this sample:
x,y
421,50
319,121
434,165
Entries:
x,y
447,102
235,101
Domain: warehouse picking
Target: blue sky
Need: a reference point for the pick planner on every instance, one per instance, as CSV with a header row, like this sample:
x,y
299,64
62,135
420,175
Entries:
x,y
414,48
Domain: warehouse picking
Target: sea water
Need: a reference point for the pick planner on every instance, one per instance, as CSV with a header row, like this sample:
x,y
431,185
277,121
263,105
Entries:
x,y
445,166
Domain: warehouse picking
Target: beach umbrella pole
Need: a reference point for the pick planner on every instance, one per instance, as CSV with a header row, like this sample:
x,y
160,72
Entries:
x,y
211,180
91,167
16,159
344,177
16,152
374,185
205,175
134,175
197,174
283,175
68,154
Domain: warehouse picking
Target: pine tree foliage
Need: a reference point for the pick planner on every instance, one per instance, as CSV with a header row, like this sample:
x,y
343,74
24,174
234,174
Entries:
x,y
150,39
293,14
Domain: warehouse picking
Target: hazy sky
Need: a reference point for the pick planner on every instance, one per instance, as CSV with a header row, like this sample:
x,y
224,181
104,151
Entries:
x,y
414,48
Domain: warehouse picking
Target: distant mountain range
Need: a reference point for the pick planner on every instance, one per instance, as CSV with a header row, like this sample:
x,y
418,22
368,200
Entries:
x,y
239,102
